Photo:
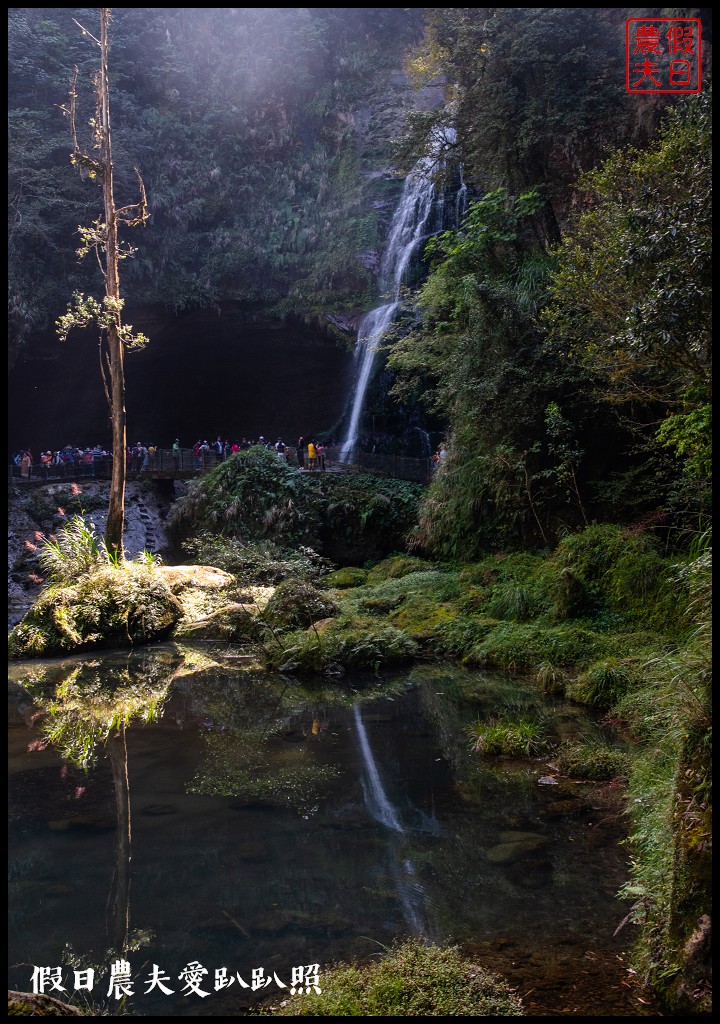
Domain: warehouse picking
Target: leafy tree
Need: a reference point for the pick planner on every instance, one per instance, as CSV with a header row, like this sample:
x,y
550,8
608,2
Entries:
x,y
536,94
102,239
631,296
476,357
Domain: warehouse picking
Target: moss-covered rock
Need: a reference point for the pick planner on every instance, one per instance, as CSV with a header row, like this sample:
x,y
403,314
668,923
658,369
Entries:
x,y
341,645
110,607
28,1004
395,568
346,578
412,980
233,621
419,616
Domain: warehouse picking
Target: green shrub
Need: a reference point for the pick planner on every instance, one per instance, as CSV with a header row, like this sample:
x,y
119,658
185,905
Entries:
x,y
592,761
412,980
253,495
296,604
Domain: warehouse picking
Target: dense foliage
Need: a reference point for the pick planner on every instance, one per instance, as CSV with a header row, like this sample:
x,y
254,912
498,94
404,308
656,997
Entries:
x,y
574,377
241,122
256,497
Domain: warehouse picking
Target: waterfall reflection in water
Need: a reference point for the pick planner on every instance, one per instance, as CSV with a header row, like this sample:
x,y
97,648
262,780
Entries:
x,y
411,894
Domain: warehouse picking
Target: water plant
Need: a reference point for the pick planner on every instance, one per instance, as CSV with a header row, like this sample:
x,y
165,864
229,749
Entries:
x,y
516,737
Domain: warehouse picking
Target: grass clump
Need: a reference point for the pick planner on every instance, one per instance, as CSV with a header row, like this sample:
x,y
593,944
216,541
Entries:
x,y
593,761
603,684
412,980
521,737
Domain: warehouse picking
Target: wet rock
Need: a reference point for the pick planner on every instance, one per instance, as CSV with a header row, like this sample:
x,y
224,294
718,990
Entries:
x,y
26,1004
508,853
521,837
561,808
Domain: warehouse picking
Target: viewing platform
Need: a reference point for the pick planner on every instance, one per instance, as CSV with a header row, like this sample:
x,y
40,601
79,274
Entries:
x,y
167,464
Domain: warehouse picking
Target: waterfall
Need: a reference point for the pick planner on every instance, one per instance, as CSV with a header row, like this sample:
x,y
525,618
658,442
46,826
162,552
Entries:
x,y
406,233
461,199
378,804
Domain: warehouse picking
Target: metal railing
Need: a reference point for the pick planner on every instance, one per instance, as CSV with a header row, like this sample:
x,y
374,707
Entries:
x,y
400,467
168,463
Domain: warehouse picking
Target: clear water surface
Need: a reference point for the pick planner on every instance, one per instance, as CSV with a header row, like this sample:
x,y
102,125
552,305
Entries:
x,y
251,824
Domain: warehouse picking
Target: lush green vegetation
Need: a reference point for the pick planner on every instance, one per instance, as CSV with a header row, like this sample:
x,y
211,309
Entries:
x,y
561,335
92,598
410,980
240,121
255,498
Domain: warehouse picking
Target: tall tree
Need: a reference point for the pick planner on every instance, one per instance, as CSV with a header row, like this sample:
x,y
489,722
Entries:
x,y
102,238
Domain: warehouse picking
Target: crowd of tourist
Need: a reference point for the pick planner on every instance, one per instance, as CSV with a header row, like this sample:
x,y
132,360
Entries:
x,y
71,461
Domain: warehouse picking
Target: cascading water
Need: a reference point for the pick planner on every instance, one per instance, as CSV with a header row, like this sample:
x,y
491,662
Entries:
x,y
407,231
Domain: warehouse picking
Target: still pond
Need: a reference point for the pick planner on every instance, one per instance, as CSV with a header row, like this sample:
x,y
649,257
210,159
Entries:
x,y
250,825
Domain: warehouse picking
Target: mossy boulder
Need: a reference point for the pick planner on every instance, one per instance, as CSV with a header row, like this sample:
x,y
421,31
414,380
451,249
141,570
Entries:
x,y
411,980
345,578
419,616
109,607
340,645
30,1004
231,622
213,606
395,567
